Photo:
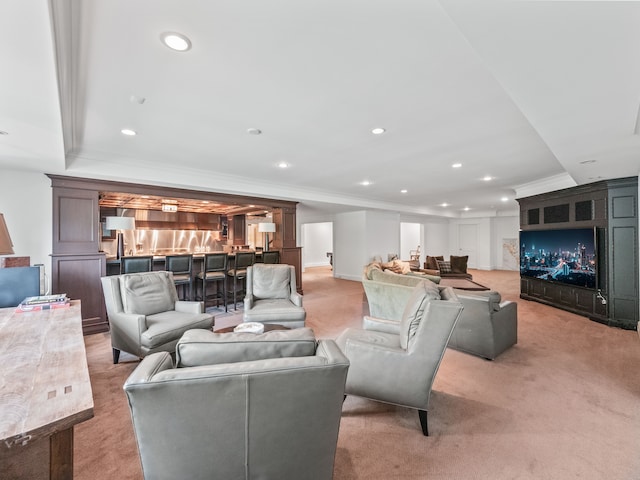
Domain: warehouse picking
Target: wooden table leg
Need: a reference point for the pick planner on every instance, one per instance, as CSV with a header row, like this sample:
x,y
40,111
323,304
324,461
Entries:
x,y
61,459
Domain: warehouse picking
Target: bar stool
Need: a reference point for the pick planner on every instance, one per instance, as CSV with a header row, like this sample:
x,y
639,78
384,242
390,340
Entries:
x,y
136,264
181,266
239,272
272,256
214,269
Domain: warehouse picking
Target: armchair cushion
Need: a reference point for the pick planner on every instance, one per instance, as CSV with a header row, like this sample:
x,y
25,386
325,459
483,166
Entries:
x,y
201,347
271,282
165,327
146,294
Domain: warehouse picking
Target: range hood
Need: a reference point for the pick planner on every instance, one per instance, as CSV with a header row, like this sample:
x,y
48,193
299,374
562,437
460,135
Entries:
x,y
158,220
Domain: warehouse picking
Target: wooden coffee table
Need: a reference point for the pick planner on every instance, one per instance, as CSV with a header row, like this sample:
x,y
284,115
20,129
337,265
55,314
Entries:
x,y
268,327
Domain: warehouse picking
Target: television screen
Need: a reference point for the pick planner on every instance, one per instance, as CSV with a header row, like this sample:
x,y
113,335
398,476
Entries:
x,y
565,256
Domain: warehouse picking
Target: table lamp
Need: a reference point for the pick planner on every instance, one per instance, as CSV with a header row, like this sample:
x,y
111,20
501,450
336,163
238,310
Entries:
x,y
119,224
6,247
266,228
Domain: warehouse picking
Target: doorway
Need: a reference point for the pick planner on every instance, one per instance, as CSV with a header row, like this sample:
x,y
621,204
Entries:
x,y
317,243
468,243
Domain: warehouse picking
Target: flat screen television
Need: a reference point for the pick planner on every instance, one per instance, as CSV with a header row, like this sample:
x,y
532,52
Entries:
x,y
562,255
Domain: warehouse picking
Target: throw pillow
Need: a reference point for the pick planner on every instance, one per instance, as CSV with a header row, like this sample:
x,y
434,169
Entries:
x,y
432,262
459,264
444,266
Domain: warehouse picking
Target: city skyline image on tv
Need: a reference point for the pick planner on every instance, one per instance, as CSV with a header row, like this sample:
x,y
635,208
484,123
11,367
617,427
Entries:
x,y
565,256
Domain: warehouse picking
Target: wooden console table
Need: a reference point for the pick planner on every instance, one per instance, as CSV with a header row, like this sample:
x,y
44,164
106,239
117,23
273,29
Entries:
x,y
45,390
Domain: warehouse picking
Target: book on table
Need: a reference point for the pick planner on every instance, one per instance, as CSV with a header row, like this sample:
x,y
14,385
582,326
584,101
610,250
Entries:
x,y
44,299
44,302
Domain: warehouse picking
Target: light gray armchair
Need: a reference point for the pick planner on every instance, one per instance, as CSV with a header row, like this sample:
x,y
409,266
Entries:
x,y
145,315
397,363
487,327
273,418
271,296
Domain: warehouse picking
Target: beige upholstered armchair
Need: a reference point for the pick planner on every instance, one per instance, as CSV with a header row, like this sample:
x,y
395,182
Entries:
x,y
398,363
273,417
271,296
145,315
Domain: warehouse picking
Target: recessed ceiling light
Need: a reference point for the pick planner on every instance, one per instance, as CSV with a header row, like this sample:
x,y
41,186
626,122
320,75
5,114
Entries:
x,y
456,165
487,178
504,199
466,209
283,165
444,204
176,41
254,131
404,190
378,131
137,99
128,132
365,183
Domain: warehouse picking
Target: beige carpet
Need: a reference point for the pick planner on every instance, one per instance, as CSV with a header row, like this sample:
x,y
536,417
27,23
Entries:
x,y
564,403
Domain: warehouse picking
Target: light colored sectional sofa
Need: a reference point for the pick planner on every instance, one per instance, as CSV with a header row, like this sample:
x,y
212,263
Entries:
x,y
487,327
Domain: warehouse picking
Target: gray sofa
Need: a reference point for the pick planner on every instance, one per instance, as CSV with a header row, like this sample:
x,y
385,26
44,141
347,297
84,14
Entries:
x,y
275,416
486,328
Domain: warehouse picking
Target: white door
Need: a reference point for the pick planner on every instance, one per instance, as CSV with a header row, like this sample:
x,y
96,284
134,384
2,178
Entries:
x,y
468,243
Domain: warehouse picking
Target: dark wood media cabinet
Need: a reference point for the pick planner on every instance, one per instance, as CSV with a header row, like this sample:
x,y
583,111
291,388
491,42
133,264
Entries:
x,y
611,207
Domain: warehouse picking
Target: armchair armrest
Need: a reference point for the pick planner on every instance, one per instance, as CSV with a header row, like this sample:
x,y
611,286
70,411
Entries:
x,y
130,324
381,324
248,301
296,299
148,367
381,363
189,307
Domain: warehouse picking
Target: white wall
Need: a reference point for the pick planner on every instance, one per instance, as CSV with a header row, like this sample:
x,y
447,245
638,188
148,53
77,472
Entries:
x,y
410,238
383,235
26,202
316,241
490,232
349,240
505,228
436,239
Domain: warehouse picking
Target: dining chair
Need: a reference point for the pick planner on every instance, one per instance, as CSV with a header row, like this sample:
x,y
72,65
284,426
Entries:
x,y
136,264
182,268
214,269
238,272
272,256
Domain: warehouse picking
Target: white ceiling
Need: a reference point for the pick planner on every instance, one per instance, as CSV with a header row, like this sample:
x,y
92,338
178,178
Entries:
x,y
523,91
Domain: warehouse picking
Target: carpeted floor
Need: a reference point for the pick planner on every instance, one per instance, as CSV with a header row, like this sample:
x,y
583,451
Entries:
x,y
563,403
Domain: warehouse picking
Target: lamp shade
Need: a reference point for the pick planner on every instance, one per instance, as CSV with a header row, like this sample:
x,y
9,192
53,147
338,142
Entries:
x,y
120,223
266,227
6,247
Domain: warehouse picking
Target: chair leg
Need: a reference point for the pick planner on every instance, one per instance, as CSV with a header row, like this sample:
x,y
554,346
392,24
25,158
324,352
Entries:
x,y
116,356
423,422
224,293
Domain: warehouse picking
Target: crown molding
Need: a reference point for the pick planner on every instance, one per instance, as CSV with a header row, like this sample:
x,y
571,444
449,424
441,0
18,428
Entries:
x,y
544,185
